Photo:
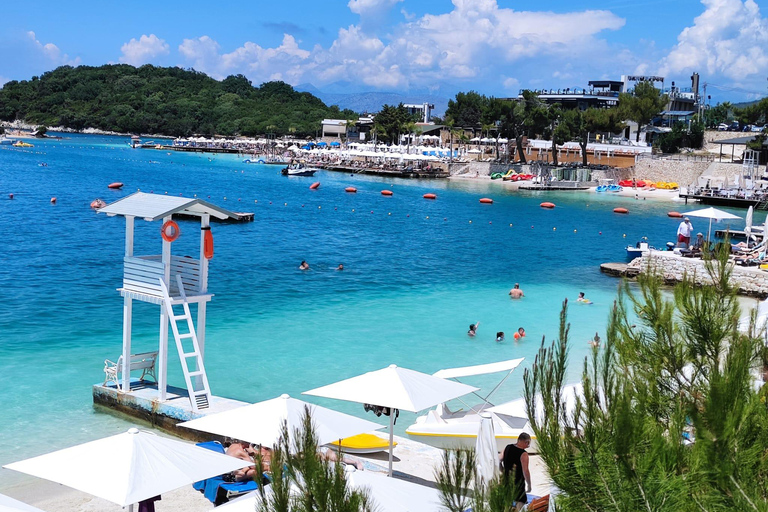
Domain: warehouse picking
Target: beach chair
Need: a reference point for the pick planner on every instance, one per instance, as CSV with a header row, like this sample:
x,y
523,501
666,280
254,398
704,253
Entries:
x,y
215,489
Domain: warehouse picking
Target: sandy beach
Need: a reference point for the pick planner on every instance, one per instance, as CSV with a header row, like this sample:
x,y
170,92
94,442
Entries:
x,y
413,461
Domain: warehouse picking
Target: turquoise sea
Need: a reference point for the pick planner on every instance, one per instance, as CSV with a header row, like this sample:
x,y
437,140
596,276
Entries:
x,y
418,272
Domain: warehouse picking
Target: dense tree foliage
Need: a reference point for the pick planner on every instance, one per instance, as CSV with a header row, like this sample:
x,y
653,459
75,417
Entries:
x,y
670,416
170,101
681,137
393,121
642,105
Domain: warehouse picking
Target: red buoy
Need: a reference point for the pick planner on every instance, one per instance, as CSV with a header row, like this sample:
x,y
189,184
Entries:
x,y
547,205
386,192
675,215
430,196
620,210
115,185
314,186
486,200
350,189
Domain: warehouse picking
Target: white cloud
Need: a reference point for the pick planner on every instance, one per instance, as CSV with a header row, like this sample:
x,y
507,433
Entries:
x,y
729,39
143,50
471,42
367,7
511,83
51,52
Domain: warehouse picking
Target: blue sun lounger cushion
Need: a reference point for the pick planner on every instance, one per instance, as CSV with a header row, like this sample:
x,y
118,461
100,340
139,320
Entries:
x,y
215,489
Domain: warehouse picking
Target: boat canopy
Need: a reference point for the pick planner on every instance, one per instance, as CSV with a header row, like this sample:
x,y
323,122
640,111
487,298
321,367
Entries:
x,y
479,369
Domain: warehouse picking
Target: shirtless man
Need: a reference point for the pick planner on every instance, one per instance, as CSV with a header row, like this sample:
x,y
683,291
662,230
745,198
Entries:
x,y
242,450
516,292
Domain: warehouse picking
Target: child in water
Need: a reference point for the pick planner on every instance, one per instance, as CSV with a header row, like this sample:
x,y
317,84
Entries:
x,y
520,333
473,329
583,299
499,336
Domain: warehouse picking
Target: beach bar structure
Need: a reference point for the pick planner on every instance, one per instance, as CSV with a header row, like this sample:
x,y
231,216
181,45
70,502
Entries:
x,y
172,282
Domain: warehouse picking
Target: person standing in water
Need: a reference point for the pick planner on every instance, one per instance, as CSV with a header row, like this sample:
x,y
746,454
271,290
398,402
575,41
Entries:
x,y
516,292
473,329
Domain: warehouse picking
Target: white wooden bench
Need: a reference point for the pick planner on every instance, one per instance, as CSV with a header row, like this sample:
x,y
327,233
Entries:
x,y
144,362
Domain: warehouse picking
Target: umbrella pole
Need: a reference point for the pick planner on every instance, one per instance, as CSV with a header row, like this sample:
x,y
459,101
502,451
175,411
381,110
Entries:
x,y
709,232
391,437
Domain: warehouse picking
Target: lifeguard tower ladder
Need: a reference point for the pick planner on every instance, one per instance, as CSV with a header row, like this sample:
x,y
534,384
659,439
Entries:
x,y
172,282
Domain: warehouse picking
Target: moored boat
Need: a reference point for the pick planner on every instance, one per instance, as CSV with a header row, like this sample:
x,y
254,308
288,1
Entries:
x,y
298,170
443,428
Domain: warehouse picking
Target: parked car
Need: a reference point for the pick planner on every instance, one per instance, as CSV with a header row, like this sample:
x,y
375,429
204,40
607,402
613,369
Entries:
x,y
756,128
722,127
735,126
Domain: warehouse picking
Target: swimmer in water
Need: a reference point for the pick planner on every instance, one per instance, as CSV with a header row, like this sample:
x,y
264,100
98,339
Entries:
x,y
340,267
304,265
520,333
473,329
595,342
583,299
516,292
499,336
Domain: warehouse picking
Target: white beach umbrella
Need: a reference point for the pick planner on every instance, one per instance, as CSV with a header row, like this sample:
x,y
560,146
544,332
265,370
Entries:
x,y
262,422
388,494
8,504
396,388
130,467
487,458
711,214
517,408
748,222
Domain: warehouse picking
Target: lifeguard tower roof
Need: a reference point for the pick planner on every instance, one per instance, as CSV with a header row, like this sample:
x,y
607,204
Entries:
x,y
152,207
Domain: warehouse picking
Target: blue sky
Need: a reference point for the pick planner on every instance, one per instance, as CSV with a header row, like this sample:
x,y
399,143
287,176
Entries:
x,y
427,46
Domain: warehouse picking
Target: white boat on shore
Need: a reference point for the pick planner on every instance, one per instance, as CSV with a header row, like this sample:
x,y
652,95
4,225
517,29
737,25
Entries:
x,y
444,428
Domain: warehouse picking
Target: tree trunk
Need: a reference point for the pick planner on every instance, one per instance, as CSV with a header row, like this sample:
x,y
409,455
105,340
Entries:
x,y
637,135
521,153
583,146
554,153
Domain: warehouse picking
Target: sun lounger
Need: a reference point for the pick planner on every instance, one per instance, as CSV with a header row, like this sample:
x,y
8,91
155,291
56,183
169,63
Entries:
x,y
215,489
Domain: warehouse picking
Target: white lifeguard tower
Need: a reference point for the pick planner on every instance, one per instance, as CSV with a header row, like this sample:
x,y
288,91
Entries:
x,y
173,283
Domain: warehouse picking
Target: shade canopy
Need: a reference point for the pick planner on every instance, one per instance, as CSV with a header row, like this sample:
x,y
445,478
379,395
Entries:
x,y
517,408
711,213
130,467
152,207
398,388
8,504
388,494
479,369
262,422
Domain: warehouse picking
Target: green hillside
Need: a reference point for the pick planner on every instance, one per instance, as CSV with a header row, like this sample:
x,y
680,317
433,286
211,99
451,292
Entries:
x,y
157,100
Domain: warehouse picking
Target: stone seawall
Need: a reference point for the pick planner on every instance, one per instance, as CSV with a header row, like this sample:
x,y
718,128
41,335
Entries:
x,y
680,171
751,281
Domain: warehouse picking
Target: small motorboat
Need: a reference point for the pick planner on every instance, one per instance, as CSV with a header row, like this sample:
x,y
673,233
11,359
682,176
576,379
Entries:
x,y
298,170
638,250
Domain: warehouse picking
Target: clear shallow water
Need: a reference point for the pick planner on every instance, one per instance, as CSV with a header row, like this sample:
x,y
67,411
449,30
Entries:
x,y
417,274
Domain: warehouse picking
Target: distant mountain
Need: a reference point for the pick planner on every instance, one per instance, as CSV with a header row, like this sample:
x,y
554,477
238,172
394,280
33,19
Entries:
x,y
370,101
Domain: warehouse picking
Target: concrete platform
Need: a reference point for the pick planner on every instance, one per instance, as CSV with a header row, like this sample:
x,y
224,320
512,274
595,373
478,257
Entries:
x,y
142,402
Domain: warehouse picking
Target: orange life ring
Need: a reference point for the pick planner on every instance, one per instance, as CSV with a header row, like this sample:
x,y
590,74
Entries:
x,y
620,210
386,192
350,189
116,184
547,205
207,243
675,215
314,185
170,231
430,196
486,200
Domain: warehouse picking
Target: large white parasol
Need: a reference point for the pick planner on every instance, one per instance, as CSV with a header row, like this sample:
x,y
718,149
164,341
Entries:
x,y
8,504
395,388
711,214
262,422
130,467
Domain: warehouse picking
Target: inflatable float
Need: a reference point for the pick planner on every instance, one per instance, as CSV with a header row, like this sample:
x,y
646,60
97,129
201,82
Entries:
x,y
115,185
314,186
486,200
350,189
386,192
547,205
430,196
620,210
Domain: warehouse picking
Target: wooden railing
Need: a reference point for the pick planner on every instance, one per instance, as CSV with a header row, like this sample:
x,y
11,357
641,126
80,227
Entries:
x,y
142,273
